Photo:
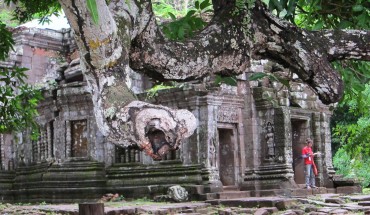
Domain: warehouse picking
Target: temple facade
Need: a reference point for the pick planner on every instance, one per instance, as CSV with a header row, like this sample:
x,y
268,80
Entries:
x,y
249,136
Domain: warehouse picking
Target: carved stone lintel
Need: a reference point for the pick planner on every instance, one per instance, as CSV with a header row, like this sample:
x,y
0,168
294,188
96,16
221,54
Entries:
x,y
227,114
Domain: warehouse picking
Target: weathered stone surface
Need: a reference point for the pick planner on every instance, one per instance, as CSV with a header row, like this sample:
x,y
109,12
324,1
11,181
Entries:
x,y
364,203
349,189
339,211
310,208
358,198
298,212
261,211
289,212
334,200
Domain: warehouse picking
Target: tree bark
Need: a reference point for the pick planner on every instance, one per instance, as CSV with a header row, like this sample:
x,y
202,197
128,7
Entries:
x,y
91,209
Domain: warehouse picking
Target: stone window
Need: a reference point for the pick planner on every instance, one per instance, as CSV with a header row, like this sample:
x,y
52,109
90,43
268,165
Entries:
x,y
43,144
172,155
127,155
79,141
35,151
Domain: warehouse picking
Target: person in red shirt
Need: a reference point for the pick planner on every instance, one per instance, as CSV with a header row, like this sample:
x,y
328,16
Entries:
x,y
308,155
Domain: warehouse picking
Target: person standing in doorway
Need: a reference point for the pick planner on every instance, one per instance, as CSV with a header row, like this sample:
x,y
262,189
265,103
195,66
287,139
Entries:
x,y
308,155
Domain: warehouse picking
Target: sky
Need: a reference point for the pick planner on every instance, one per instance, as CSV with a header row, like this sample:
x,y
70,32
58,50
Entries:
x,y
57,23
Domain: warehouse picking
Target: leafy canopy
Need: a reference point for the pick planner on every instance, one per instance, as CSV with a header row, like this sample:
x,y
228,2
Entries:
x,y
18,100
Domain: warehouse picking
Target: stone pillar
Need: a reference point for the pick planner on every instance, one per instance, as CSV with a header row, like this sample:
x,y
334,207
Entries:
x,y
68,140
209,145
277,171
327,163
251,140
49,131
190,148
318,146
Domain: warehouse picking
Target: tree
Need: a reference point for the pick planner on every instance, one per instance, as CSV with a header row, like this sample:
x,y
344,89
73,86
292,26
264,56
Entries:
x,y
18,100
115,36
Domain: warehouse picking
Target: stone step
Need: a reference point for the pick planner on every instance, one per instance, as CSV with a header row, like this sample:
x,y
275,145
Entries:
x,y
364,203
233,194
251,202
360,198
208,196
230,188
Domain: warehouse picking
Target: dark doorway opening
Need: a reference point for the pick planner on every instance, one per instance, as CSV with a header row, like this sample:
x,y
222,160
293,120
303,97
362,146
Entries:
x,y
300,130
226,156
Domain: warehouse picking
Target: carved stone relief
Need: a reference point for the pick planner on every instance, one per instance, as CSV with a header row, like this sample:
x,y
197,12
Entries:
x,y
270,142
227,114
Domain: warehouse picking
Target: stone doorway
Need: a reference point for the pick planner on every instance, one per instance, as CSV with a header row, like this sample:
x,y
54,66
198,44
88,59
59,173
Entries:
x,y
227,162
300,131
79,138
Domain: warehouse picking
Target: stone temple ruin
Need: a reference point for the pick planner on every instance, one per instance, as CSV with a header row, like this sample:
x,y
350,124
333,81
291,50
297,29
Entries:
x,y
249,137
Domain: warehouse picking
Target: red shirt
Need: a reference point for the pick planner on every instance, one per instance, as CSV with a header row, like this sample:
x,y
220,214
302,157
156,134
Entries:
x,y
307,150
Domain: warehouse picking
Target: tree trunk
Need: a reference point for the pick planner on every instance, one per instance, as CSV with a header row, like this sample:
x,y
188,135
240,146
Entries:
x,y
91,209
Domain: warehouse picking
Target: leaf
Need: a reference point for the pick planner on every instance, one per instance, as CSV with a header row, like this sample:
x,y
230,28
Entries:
x,y
357,8
283,13
257,76
173,17
218,79
181,32
196,4
266,2
191,13
204,5
92,7
318,25
230,81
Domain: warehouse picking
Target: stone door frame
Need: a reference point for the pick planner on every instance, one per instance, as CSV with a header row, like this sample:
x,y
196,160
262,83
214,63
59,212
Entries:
x,y
236,151
296,159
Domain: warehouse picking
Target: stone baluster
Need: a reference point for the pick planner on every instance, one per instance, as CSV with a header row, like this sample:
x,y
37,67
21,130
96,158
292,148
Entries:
x,y
68,139
127,157
137,155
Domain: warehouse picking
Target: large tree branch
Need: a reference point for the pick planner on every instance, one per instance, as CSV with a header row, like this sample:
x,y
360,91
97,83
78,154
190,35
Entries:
x,y
345,44
227,44
214,50
309,53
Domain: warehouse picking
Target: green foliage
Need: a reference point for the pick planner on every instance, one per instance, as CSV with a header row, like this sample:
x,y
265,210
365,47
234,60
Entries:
x,y
229,80
93,9
27,9
6,41
183,27
366,191
350,123
163,9
18,101
153,92
318,14
350,167
7,18
350,133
